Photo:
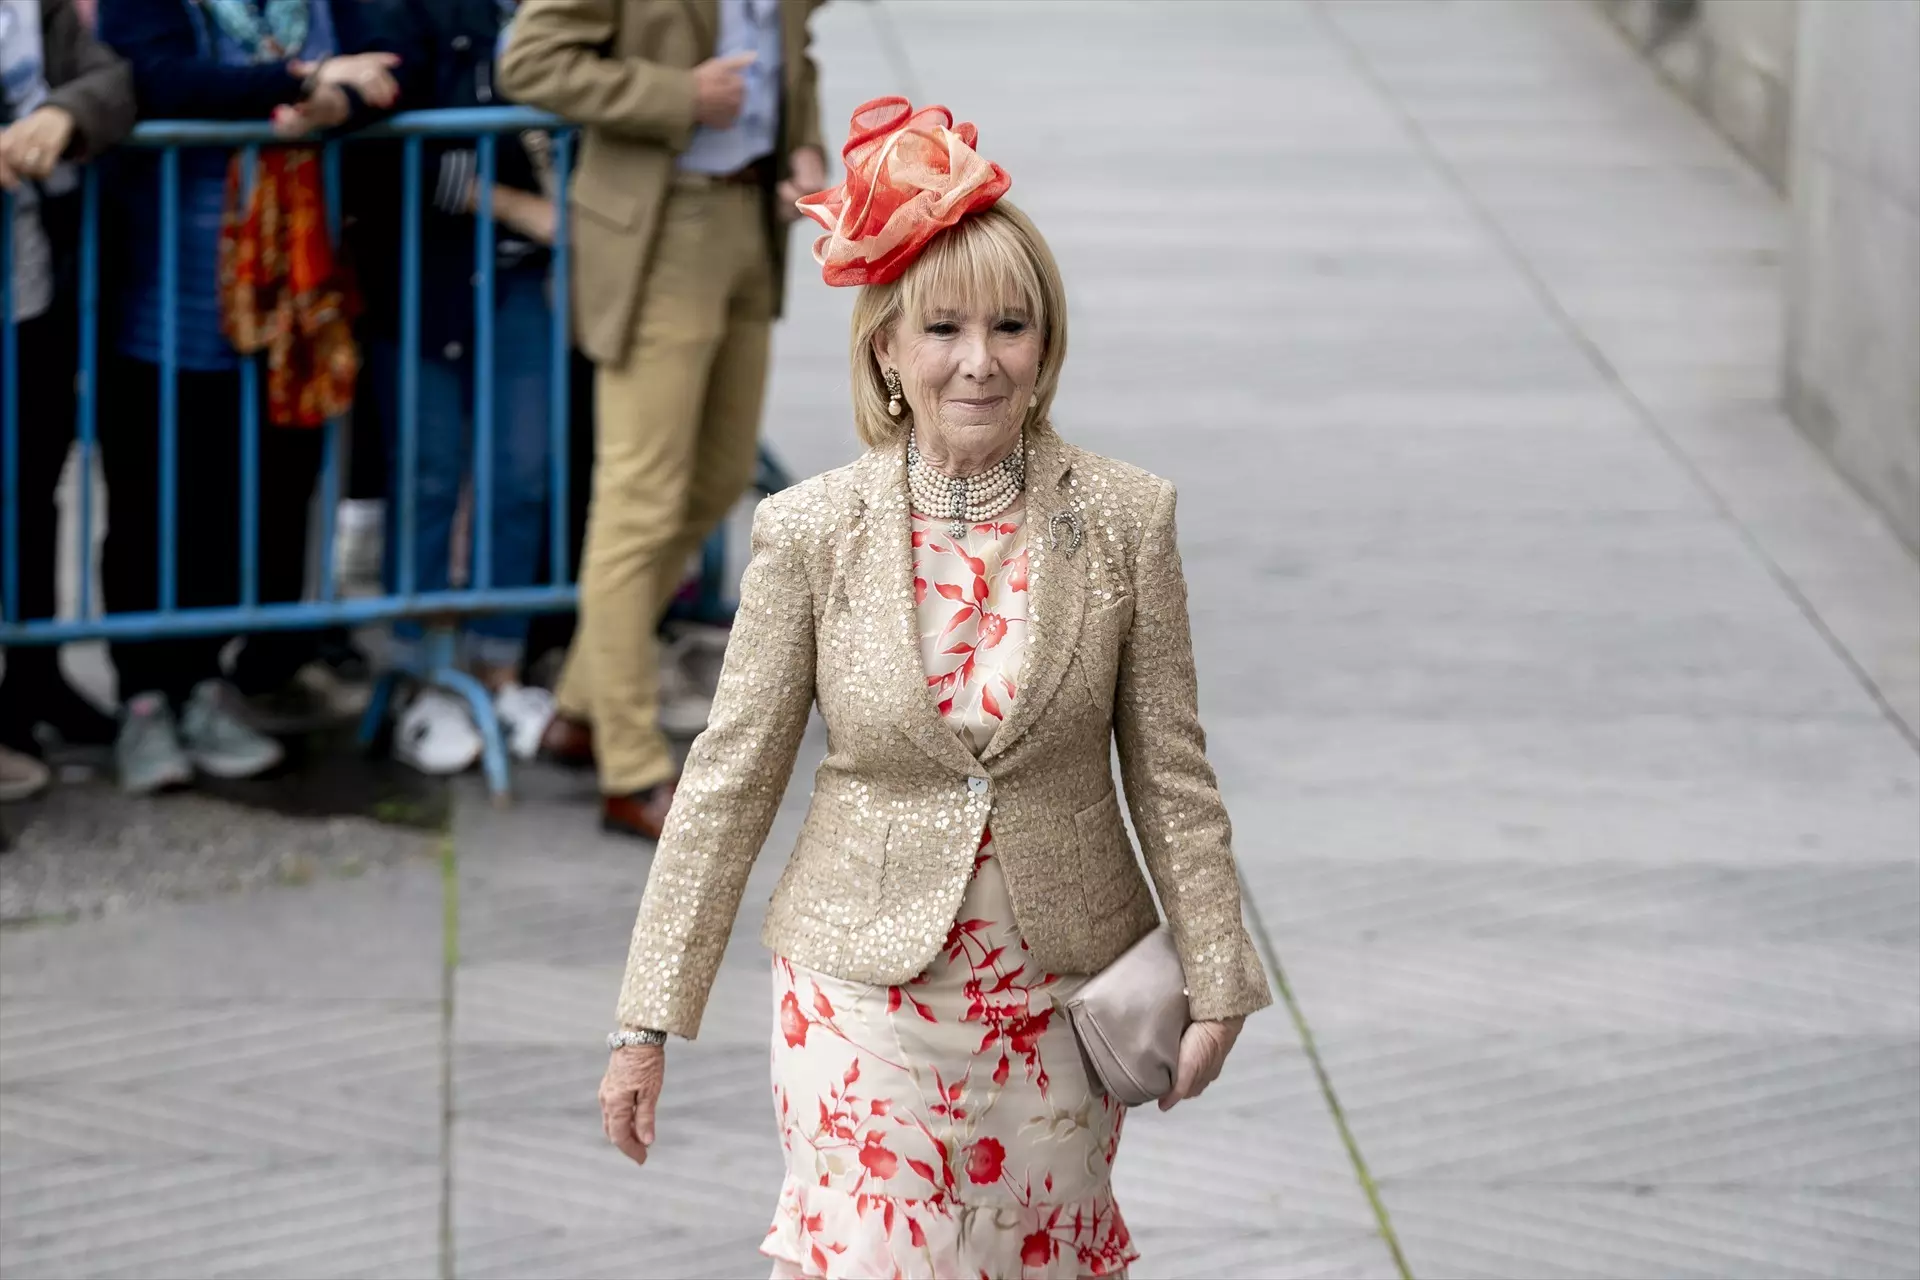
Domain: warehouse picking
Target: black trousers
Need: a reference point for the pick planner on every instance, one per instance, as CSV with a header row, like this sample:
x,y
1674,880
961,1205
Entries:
x,y
207,535
46,346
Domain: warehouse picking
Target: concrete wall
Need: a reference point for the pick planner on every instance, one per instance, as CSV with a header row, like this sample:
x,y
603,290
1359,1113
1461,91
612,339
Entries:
x,y
1733,59
1853,282
1824,97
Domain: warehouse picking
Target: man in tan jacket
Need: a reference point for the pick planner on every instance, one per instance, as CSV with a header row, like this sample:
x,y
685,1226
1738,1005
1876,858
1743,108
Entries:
x,y
701,126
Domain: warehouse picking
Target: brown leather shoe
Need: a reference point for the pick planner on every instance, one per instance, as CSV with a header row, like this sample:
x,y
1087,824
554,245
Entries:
x,y
568,741
642,813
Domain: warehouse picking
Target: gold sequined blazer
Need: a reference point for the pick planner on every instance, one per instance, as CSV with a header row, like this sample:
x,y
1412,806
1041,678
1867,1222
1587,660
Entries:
x,y
827,616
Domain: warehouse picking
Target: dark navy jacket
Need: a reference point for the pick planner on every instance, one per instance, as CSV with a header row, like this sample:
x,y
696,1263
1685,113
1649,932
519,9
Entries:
x,y
447,49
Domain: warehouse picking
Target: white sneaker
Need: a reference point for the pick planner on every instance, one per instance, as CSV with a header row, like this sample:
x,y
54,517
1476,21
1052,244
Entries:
x,y
436,734
524,711
218,742
146,751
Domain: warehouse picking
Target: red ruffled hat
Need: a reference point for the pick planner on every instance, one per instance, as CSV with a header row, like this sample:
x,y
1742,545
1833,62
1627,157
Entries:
x,y
910,175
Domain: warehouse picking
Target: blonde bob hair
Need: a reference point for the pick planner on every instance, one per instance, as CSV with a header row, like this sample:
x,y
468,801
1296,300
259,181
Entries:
x,y
995,258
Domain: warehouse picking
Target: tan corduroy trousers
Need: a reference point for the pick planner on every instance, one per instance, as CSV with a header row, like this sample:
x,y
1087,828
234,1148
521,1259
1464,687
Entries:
x,y
675,430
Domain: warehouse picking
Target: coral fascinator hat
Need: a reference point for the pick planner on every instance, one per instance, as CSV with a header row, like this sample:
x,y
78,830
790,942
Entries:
x,y
910,175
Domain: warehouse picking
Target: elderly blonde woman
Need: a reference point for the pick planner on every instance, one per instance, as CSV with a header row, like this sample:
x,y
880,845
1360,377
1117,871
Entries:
x,y
980,611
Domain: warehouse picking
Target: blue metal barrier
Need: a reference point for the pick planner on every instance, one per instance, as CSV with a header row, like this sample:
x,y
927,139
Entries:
x,y
326,608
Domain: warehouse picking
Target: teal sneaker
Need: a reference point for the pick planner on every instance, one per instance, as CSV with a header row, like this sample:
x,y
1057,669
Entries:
x,y
146,751
218,742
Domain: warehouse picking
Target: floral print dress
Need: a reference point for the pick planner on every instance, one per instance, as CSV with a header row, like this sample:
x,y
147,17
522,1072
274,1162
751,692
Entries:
x,y
946,1129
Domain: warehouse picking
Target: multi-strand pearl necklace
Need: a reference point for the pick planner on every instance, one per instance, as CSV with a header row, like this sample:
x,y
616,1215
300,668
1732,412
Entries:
x,y
968,501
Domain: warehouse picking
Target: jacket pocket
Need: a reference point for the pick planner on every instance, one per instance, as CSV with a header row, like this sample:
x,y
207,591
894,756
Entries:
x,y
1108,874
837,868
594,196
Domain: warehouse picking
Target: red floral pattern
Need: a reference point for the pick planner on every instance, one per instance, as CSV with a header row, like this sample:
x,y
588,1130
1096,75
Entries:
x,y
972,598
947,1128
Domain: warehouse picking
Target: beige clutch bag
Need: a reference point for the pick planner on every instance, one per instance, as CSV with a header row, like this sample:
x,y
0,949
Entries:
x,y
1129,1018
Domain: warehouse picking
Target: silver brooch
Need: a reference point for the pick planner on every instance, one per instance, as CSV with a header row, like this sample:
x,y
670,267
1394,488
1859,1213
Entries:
x,y
1075,530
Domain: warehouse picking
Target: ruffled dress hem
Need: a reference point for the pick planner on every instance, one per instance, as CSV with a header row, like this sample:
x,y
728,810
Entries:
x,y
822,1233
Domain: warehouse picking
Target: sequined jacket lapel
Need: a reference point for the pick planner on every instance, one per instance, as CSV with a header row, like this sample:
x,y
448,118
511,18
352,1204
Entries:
x,y
876,573
1057,586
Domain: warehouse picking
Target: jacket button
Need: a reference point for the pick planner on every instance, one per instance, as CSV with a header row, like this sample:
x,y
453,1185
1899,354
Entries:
x,y
461,43
977,785
453,351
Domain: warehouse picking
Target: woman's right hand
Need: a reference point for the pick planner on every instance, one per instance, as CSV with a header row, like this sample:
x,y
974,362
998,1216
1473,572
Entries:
x,y
628,1094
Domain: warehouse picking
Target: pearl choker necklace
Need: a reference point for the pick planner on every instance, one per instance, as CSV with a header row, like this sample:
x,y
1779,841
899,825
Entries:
x,y
968,501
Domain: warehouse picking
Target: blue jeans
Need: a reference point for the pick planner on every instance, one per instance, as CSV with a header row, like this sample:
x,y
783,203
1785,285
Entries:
x,y
522,377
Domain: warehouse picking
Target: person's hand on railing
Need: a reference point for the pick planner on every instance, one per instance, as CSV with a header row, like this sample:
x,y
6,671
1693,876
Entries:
x,y
368,74
326,106
719,90
326,109
32,146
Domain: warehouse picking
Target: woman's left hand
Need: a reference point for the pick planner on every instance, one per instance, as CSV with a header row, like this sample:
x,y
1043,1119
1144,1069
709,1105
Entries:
x,y
1203,1051
31,147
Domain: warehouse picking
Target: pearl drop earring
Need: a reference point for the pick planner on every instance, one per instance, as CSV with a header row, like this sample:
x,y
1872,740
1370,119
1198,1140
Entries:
x,y
893,393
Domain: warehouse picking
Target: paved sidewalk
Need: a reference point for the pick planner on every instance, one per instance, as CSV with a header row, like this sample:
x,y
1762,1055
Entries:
x,y
1566,703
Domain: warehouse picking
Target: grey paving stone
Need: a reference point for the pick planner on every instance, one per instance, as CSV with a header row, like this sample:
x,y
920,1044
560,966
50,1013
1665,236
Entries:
x,y
1663,1111
521,1078
1229,1171
562,1172
267,1126
519,1002
344,1046
1584,1232
558,919
1809,774
1559,667
510,1249
709,1079
1425,897
1479,824
524,1002
377,937
1475,986
1215,1254
133,1217
246,1086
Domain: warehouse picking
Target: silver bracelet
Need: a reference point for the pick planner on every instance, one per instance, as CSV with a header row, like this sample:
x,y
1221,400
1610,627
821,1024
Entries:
x,y
629,1039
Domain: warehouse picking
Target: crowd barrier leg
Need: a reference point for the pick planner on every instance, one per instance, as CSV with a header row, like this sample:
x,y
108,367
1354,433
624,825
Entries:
x,y
435,662
493,743
374,718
